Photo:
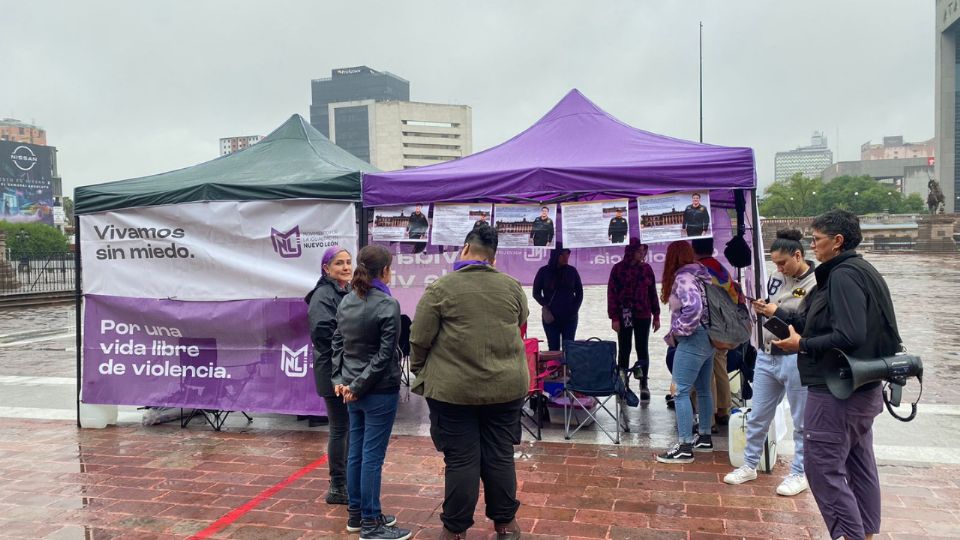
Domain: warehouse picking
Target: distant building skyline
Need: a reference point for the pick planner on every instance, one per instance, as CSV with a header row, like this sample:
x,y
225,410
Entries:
x,y
895,148
229,145
14,130
809,160
353,84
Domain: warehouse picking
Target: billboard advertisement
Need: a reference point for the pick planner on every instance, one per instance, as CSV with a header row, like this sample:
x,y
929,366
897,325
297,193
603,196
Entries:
x,y
26,183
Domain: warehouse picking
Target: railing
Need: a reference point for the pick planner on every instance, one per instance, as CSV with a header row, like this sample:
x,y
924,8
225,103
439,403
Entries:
x,y
36,273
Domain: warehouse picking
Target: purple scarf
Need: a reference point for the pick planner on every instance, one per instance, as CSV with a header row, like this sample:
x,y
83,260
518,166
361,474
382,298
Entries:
x,y
381,286
463,264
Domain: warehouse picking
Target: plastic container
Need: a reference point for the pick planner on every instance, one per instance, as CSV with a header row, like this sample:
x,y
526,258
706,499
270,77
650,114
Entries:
x,y
97,416
737,433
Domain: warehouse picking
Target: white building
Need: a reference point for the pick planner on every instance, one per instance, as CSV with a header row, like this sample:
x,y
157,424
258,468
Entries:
x,y
394,135
809,160
230,145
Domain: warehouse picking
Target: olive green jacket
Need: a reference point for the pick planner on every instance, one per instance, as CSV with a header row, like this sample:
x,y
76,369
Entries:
x,y
465,345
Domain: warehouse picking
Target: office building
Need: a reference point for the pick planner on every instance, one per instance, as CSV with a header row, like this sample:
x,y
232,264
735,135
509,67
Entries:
x,y
394,135
353,84
946,106
906,175
14,130
895,148
809,160
230,145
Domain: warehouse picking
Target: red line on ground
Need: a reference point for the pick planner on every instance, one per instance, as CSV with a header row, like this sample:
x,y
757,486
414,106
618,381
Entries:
x,y
239,511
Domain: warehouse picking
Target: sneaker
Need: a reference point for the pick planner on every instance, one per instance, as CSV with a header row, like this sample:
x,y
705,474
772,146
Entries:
x,y
680,453
374,529
644,390
507,531
703,443
792,485
354,523
741,474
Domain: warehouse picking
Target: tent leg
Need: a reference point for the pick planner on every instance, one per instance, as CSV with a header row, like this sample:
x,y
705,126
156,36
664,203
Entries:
x,y
758,257
364,228
78,306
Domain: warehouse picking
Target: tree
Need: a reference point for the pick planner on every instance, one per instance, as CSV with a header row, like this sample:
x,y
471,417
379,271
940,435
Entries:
x,y
68,209
799,196
33,239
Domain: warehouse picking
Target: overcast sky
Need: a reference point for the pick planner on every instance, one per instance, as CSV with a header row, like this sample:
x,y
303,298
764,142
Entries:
x,y
127,89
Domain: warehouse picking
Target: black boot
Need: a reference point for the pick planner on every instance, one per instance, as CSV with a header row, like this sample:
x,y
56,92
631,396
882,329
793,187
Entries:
x,y
644,390
337,493
508,531
314,421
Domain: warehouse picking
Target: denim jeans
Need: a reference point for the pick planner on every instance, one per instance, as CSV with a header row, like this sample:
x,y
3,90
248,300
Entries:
x,y
693,368
371,421
775,375
558,331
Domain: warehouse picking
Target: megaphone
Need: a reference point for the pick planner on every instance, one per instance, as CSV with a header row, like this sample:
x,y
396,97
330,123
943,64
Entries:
x,y
845,374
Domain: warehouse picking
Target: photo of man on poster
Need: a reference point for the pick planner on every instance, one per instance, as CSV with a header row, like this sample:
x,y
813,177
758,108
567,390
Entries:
x,y
543,229
696,218
418,224
617,232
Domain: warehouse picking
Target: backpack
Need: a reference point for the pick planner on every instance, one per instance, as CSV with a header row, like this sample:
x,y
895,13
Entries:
x,y
730,324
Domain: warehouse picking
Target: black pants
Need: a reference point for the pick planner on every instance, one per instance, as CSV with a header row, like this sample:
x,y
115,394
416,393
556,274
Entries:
x,y
641,335
477,443
339,437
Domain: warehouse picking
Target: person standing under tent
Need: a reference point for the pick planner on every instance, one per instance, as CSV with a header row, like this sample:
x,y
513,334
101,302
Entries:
x,y
696,218
720,387
470,364
366,374
683,290
633,307
776,374
322,303
558,289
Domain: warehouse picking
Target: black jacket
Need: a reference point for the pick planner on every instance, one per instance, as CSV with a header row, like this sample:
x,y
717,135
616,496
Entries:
x,y
322,304
560,289
850,309
365,344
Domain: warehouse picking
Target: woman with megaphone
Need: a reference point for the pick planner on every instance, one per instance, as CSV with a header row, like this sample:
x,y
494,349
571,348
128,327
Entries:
x,y
849,310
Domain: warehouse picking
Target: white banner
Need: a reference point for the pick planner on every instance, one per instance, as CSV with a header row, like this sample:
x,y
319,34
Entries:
x,y
225,250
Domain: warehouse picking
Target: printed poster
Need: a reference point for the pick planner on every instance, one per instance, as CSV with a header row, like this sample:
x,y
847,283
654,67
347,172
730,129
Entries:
x,y
452,222
401,223
676,216
596,223
526,225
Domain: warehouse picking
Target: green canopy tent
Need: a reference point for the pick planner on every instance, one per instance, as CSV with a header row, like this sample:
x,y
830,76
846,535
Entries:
x,y
234,242
294,162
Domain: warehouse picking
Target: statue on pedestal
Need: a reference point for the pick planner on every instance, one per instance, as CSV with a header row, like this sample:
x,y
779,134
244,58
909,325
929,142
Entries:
x,y
935,198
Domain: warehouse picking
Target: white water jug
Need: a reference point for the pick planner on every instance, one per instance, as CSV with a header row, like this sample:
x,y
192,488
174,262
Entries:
x,y
737,433
97,416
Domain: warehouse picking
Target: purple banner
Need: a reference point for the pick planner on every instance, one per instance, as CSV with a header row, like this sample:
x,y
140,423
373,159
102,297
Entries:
x,y
243,355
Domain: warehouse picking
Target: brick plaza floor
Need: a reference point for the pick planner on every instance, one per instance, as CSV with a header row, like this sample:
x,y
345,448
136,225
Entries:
x,y
165,482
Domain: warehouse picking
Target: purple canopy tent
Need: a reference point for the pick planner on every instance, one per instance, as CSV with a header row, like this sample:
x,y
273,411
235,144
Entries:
x,y
577,151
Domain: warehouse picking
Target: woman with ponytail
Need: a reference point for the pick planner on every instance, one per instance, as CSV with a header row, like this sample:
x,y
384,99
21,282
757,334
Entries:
x,y
322,302
777,374
366,374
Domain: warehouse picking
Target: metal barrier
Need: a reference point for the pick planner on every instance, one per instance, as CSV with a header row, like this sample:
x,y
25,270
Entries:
x,y
37,273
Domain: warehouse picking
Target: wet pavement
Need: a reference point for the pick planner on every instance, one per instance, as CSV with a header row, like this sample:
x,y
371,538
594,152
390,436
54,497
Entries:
x,y
166,482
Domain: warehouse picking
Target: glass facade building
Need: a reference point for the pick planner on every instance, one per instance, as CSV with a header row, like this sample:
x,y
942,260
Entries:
x,y
947,102
352,84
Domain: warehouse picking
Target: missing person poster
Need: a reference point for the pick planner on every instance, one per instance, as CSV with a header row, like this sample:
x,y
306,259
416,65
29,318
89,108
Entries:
x,y
526,225
452,222
596,223
677,216
401,223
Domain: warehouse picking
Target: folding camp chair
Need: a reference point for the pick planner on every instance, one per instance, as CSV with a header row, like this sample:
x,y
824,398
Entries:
x,y
541,367
591,373
403,349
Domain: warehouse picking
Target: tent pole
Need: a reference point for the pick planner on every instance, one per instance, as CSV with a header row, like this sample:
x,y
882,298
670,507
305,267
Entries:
x,y
758,257
363,228
78,306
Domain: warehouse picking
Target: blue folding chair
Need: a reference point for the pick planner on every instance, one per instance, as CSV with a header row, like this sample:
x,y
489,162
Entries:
x,y
591,373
